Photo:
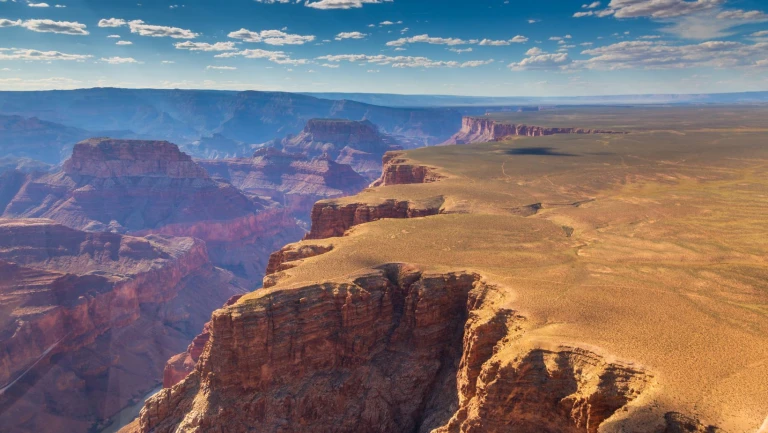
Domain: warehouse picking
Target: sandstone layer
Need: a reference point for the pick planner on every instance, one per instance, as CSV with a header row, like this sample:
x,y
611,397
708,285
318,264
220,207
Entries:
x,y
483,130
90,318
143,187
627,297
292,180
356,143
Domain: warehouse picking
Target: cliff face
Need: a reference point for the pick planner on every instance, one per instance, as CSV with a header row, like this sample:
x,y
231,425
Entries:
x,y
332,219
292,180
483,130
390,350
146,187
105,313
397,171
356,143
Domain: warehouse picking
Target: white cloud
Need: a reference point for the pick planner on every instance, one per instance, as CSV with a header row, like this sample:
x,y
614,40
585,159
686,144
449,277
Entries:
x,y
279,57
329,65
659,8
124,43
535,51
221,68
516,40
50,26
542,61
114,36
350,35
38,5
341,4
271,37
144,29
429,40
111,22
203,46
460,50
118,60
591,5
403,61
8,23
533,21
24,54
659,55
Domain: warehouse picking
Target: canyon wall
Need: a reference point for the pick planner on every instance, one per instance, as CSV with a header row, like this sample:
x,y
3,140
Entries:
x,y
358,144
292,180
397,171
392,349
143,187
483,130
105,312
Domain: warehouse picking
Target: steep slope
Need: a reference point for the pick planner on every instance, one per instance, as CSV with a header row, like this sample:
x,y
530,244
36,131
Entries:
x,y
90,318
483,130
292,180
146,187
358,144
566,284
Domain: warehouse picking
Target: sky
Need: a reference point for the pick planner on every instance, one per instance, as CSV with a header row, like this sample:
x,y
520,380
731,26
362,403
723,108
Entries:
x,y
448,47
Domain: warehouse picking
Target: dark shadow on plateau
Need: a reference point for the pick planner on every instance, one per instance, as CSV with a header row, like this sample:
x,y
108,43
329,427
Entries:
x,y
537,151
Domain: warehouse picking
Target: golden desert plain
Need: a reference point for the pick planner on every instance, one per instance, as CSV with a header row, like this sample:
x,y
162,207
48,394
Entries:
x,y
616,283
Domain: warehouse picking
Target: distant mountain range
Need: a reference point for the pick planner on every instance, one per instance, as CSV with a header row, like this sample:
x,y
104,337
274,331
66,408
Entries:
x,y
44,125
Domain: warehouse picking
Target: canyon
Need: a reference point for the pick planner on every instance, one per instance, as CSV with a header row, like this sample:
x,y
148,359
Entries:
x,y
358,144
293,180
471,315
145,187
89,319
483,130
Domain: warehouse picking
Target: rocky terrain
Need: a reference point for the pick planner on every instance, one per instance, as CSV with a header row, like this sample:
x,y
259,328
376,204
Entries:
x,y
145,187
210,124
293,180
358,144
625,298
483,130
89,319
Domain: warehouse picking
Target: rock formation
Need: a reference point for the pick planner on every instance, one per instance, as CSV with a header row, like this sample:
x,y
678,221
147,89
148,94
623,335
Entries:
x,y
397,171
144,187
331,219
90,319
292,180
390,350
356,143
483,130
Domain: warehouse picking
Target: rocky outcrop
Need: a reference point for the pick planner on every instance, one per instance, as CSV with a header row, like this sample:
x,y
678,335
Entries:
x,y
389,350
333,219
92,317
179,366
292,180
355,143
483,130
144,187
398,171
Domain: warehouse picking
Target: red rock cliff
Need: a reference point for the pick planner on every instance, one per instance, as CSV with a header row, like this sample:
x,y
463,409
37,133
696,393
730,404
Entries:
x,y
332,219
389,350
146,187
397,171
482,130
70,347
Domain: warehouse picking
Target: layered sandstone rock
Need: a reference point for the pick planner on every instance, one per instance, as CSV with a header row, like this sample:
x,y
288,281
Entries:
x,y
90,318
356,143
390,350
144,187
292,180
332,219
397,171
482,130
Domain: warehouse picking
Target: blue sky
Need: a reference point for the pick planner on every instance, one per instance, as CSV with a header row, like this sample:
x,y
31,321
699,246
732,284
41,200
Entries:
x,y
482,47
